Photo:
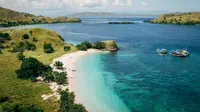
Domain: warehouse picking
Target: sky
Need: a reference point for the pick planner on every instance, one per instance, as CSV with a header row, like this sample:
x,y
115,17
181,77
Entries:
x,y
64,7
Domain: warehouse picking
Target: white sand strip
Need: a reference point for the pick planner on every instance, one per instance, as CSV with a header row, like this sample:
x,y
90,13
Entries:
x,y
69,61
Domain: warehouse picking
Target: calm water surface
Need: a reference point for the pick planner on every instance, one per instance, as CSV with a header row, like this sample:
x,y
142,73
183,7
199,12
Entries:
x,y
142,80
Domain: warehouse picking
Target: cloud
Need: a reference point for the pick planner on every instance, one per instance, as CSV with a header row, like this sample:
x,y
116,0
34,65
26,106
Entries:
x,y
120,3
144,3
53,4
129,2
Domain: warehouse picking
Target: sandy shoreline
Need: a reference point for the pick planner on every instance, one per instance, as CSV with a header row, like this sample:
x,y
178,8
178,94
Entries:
x,y
69,61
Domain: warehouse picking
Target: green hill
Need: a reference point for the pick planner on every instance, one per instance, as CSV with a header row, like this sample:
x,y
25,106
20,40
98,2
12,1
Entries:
x,y
23,91
13,18
178,18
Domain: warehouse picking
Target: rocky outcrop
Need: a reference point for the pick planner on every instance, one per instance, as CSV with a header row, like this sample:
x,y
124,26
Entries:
x,y
111,45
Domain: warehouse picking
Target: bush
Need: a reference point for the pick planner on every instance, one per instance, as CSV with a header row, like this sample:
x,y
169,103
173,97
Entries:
x,y
48,48
67,48
30,68
20,56
87,44
0,51
29,46
81,47
3,99
2,40
35,40
21,47
60,78
99,45
25,36
10,107
58,65
31,32
5,36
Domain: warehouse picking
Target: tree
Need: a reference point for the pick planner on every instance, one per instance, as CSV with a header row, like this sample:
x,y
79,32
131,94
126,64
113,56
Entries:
x,y
60,78
25,36
48,76
87,44
99,45
78,108
81,47
67,48
58,65
20,56
67,103
48,48
30,68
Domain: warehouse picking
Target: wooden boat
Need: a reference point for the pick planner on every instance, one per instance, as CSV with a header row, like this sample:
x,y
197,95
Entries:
x,y
180,53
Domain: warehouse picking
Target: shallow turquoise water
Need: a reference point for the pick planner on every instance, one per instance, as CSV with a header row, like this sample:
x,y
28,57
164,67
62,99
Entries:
x,y
91,87
136,77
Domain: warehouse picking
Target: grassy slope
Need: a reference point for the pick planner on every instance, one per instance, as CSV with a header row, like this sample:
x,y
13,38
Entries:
x,y
24,91
9,16
176,18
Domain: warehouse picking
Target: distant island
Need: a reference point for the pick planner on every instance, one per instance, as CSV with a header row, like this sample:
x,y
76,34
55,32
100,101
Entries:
x,y
13,18
124,22
106,14
191,18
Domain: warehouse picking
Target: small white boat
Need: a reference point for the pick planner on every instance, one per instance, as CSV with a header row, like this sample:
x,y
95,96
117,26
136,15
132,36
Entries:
x,y
162,51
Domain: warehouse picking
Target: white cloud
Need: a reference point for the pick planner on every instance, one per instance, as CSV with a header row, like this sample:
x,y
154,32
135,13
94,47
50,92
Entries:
x,y
144,3
129,2
118,3
53,4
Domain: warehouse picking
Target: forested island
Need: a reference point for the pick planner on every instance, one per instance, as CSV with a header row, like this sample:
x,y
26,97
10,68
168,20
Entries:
x,y
123,22
191,18
13,18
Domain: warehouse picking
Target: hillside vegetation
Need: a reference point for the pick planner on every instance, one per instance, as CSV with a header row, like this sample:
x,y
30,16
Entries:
x,y
13,18
22,91
178,18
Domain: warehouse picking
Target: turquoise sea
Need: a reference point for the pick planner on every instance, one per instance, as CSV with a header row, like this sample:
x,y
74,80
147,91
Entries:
x,y
136,79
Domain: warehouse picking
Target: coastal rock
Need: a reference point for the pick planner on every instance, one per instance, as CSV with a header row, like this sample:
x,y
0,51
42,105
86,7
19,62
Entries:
x,y
111,45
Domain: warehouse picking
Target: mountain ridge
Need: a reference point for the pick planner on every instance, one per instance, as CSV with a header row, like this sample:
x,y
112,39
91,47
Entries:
x,y
14,18
79,14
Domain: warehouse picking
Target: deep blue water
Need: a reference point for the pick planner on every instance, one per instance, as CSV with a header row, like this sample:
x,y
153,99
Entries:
x,y
145,81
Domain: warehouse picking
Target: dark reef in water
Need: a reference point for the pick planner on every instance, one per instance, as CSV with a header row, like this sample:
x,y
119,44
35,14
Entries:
x,y
121,23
